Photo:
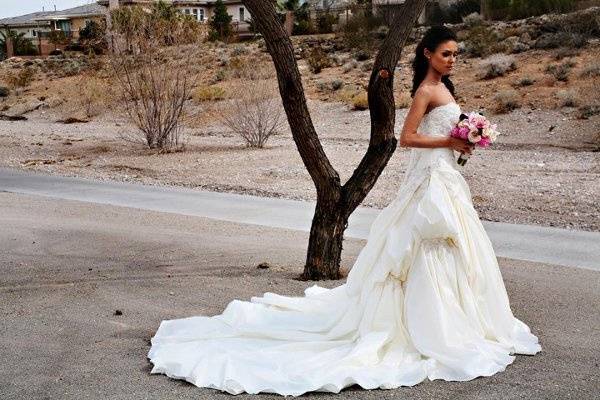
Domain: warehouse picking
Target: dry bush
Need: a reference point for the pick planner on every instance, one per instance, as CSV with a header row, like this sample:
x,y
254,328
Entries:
x,y
317,60
524,81
255,113
560,71
506,101
591,71
473,19
94,95
482,41
565,52
496,65
360,102
567,98
152,65
403,100
21,78
349,66
587,111
209,93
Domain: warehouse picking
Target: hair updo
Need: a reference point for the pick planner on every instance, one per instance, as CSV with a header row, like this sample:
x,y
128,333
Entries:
x,y
435,36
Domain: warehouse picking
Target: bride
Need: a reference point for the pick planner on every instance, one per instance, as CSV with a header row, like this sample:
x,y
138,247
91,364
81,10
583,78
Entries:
x,y
424,300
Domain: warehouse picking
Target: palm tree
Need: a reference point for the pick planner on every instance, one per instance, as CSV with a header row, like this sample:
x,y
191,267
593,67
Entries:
x,y
291,8
22,46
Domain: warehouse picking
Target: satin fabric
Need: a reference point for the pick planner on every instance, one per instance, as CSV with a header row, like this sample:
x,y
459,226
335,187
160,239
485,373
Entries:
x,y
424,299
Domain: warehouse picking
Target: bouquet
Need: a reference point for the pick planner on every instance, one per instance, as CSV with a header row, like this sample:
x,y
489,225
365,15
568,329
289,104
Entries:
x,y
475,128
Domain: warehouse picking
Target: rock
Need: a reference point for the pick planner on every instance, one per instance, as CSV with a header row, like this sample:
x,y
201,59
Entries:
x,y
118,312
4,117
263,265
72,120
24,108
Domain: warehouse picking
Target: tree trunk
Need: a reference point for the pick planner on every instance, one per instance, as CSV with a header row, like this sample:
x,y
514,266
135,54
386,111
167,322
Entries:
x,y
325,242
335,203
289,22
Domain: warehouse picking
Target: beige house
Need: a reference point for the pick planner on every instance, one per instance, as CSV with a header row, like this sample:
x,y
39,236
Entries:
x,y
37,26
202,10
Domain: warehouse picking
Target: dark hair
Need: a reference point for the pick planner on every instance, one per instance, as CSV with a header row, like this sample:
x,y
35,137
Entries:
x,y
435,36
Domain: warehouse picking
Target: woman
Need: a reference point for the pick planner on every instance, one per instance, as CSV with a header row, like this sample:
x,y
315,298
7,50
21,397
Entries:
x,y
424,300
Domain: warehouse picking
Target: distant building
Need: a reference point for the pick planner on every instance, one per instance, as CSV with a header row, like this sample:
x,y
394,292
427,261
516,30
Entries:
x,y
37,26
201,10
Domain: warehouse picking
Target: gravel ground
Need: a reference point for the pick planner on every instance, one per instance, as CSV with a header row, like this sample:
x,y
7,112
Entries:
x,y
67,267
544,170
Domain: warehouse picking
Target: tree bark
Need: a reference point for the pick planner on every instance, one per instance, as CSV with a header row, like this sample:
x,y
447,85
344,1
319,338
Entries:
x,y
335,203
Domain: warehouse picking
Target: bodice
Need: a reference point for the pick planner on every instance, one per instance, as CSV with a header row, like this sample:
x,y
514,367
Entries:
x,y
438,122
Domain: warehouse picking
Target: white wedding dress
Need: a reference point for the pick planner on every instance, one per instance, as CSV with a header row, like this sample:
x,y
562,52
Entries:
x,y
424,299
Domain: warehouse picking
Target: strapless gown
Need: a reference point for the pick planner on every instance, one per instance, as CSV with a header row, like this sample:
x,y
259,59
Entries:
x,y
424,300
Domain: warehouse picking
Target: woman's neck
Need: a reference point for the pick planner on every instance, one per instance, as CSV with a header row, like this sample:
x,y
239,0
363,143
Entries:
x,y
433,76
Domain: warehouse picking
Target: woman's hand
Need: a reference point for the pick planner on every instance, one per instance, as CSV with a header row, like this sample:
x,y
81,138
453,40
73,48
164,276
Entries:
x,y
461,145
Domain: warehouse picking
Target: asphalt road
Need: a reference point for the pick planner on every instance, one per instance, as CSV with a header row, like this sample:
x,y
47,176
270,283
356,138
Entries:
x,y
520,242
67,266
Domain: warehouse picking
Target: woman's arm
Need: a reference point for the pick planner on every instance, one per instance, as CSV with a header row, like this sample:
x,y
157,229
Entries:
x,y
409,136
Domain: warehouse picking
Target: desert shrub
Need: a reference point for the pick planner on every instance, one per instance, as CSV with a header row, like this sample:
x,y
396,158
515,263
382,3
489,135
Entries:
x,y
482,41
209,93
560,39
317,60
473,19
337,84
255,113
94,95
403,100
239,50
524,81
454,13
349,66
330,86
560,71
325,22
496,65
220,75
591,71
565,52
360,101
21,78
526,8
357,32
367,66
153,84
361,55
506,101
587,111
92,37
567,98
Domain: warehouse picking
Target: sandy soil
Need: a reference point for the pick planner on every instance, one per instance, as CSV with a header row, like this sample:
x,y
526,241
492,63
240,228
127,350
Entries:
x,y
544,170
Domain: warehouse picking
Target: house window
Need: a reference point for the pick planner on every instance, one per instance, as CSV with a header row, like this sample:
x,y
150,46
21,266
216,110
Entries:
x,y
242,17
200,14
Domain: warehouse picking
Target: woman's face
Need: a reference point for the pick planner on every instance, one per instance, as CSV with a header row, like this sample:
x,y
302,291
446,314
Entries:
x,y
444,57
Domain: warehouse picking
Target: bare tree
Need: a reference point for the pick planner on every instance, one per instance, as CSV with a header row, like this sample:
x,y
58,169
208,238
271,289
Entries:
x,y
151,64
335,202
255,113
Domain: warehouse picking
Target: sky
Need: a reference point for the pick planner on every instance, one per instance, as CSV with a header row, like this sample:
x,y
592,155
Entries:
x,y
12,8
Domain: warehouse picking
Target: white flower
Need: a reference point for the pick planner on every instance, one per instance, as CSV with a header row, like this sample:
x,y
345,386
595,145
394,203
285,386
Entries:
x,y
486,132
474,137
